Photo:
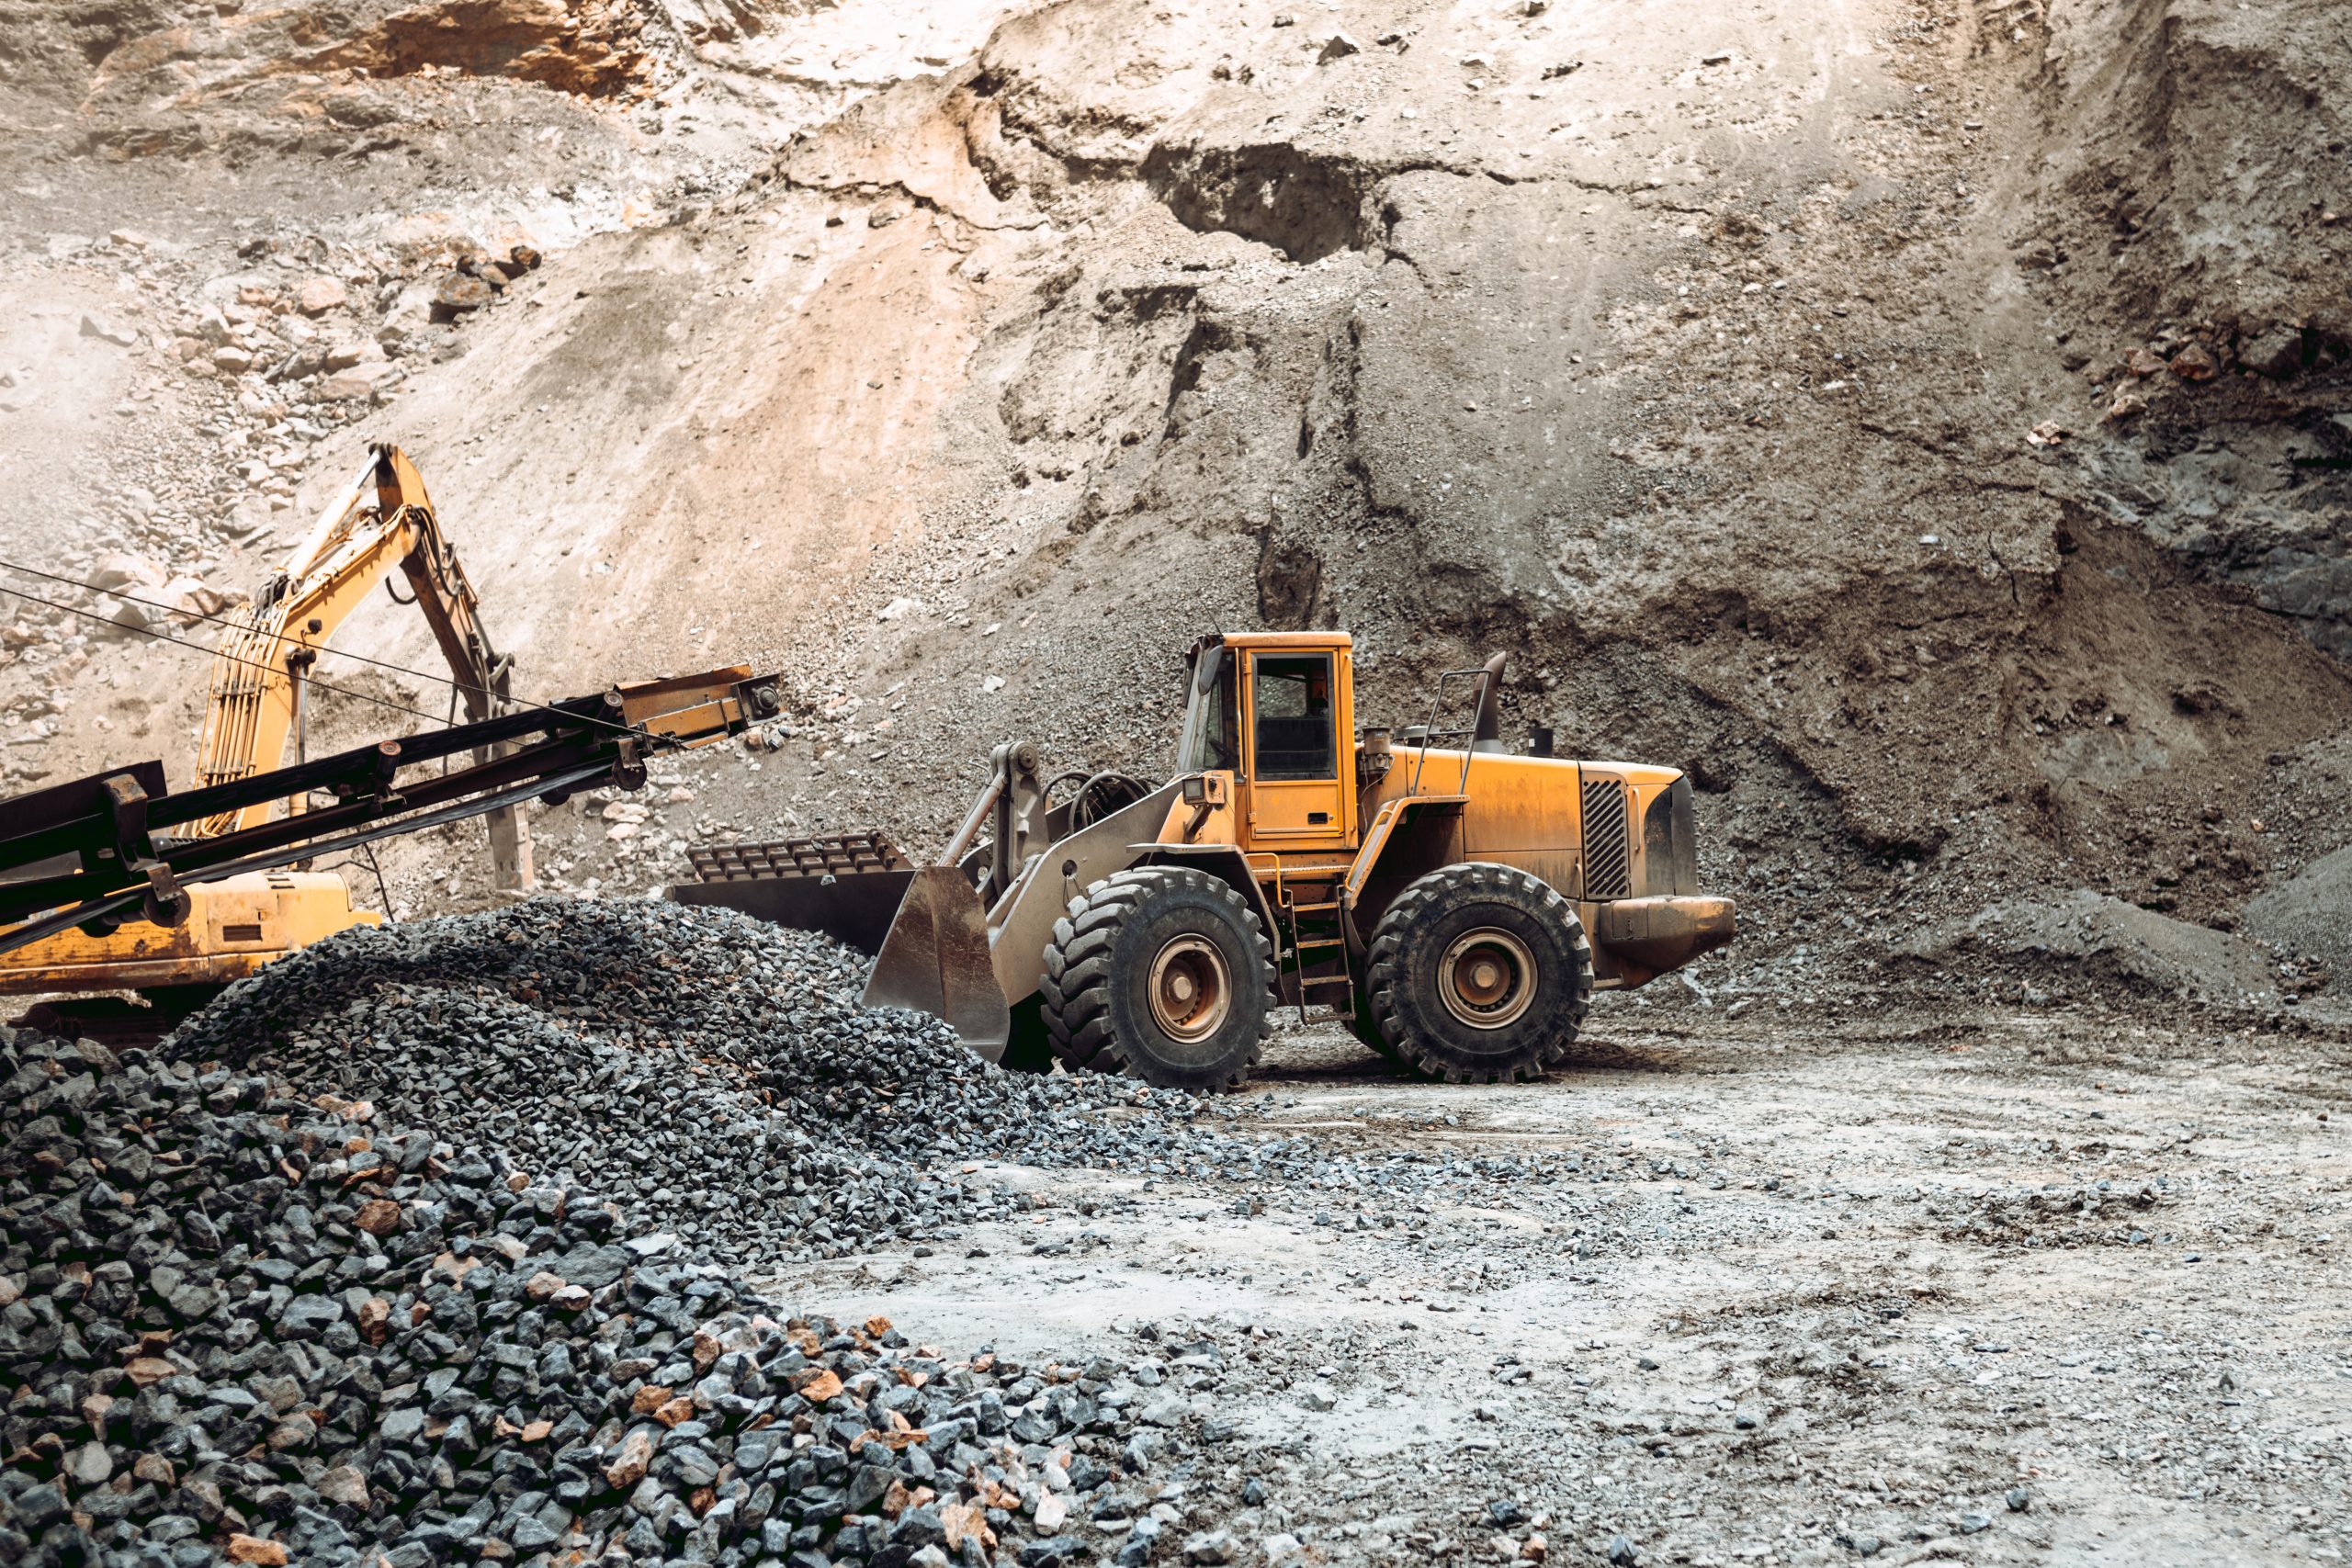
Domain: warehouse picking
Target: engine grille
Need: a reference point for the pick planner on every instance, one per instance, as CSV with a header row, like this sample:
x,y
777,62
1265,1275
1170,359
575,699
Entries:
x,y
1608,853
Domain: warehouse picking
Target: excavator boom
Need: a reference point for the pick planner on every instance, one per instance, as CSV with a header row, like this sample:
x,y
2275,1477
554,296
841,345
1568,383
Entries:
x,y
383,519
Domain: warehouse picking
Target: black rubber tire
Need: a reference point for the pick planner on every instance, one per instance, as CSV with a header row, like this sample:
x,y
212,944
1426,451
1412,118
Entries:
x,y
1366,1028
1098,975
1411,941
1028,1048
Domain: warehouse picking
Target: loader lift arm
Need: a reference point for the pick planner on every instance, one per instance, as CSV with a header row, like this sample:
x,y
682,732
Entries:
x,y
383,518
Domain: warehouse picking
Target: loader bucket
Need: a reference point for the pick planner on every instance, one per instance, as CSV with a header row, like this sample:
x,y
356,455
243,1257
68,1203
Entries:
x,y
936,960
848,887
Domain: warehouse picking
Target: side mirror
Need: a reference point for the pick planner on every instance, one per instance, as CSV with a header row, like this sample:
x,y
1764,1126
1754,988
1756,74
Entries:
x,y
1205,678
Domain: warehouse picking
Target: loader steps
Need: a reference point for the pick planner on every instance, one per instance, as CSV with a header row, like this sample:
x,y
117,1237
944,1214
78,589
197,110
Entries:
x,y
1314,939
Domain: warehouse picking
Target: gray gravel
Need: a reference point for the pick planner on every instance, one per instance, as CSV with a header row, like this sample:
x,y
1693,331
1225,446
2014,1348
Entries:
x,y
713,1075
240,1321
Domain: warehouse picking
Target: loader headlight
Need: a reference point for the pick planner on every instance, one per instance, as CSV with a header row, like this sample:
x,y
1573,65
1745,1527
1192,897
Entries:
x,y
1196,790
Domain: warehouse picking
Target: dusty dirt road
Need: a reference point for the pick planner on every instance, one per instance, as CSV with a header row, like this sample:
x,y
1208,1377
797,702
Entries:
x,y
1988,1287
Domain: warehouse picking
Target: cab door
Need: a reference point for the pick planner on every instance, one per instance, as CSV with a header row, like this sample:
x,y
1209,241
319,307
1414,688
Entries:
x,y
1301,763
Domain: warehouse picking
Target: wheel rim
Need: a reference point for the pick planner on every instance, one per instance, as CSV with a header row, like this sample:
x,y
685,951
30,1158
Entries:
x,y
1487,978
1192,991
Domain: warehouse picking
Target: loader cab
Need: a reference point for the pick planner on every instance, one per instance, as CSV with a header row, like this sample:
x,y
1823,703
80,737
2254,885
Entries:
x,y
1277,710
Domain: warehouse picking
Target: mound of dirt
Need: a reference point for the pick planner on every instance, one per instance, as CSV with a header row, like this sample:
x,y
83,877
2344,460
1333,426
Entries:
x,y
2084,936
2306,914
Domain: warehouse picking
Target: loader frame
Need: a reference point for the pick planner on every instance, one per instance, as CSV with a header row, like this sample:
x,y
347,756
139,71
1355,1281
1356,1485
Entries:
x,y
1319,838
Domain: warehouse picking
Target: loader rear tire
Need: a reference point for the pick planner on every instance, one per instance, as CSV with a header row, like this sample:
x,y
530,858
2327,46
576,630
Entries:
x,y
1480,973
1163,974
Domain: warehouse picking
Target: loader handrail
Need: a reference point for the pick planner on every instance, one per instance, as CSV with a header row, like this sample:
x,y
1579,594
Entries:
x,y
1485,675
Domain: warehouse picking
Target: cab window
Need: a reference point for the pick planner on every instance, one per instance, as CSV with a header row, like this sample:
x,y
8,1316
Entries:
x,y
1211,737
1291,698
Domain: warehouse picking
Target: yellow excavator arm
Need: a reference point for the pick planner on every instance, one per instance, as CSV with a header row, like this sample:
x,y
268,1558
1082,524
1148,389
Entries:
x,y
383,518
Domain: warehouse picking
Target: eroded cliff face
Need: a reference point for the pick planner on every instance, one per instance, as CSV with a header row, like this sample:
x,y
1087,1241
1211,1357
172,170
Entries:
x,y
1926,422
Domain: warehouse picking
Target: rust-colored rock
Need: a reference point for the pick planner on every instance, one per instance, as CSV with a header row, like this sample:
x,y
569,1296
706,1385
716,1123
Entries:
x,y
649,1398
966,1521
591,46
253,1548
459,294
629,1460
542,1285
378,1216
148,1371
2196,363
820,1386
375,1319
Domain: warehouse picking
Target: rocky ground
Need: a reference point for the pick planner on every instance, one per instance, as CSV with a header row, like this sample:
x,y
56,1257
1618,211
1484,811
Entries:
x,y
1935,1283
1927,422
1987,1286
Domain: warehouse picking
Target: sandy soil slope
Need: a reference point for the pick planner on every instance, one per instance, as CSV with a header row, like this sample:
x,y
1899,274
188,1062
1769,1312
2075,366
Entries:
x,y
1926,422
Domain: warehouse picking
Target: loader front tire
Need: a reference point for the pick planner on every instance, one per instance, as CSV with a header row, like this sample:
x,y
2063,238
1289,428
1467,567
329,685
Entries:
x,y
1480,973
1366,1028
1163,974
1027,1047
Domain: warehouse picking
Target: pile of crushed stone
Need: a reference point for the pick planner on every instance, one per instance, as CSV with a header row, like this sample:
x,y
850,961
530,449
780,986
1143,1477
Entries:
x,y
240,1322
712,1073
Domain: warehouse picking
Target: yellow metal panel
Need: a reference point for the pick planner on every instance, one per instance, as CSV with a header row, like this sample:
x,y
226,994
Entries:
x,y
1290,642
1279,812
1518,811
1209,821
236,926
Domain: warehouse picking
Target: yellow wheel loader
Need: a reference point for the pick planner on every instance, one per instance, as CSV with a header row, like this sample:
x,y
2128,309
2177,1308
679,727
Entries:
x,y
382,520
1457,904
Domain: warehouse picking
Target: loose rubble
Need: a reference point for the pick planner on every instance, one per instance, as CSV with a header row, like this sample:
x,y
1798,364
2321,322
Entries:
x,y
240,1322
713,1075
